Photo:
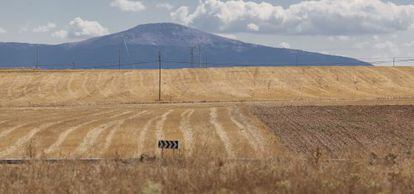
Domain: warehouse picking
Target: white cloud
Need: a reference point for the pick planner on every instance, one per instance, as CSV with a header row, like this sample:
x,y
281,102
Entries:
x,y
323,17
165,6
23,29
253,27
85,29
284,45
409,44
379,48
339,38
325,52
45,28
362,45
388,46
182,15
79,28
62,34
128,5
2,31
229,36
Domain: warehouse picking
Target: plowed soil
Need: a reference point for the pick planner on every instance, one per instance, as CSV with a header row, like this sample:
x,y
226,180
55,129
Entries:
x,y
338,131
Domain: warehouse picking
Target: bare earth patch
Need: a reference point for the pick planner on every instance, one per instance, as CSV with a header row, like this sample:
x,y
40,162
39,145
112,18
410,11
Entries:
x,y
340,130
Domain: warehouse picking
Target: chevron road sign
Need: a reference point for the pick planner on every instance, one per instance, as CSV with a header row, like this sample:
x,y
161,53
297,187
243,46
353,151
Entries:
x,y
167,144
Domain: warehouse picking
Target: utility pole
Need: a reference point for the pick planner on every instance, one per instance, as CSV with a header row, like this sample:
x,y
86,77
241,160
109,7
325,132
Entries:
x,y
159,76
119,59
199,56
192,57
206,64
37,58
297,58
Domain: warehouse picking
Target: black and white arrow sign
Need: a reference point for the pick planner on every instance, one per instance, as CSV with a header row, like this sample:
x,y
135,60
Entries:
x,y
168,144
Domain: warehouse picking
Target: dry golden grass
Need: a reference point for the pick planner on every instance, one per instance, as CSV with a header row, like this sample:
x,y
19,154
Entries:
x,y
91,87
131,131
225,148
282,174
209,169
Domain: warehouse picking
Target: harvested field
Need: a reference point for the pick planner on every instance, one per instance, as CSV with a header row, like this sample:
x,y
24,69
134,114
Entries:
x,y
99,87
242,130
129,132
338,131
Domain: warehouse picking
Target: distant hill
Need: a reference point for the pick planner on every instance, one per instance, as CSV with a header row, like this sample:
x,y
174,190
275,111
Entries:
x,y
180,47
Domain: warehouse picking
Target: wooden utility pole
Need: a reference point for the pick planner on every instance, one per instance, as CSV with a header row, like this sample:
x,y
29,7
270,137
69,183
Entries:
x,y
199,56
297,58
119,59
159,76
192,57
206,62
37,58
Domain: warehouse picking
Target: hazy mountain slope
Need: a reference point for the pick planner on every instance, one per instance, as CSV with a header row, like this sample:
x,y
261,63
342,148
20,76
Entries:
x,y
139,48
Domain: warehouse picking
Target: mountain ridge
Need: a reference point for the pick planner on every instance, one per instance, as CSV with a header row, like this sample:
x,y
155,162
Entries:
x,y
163,34
181,46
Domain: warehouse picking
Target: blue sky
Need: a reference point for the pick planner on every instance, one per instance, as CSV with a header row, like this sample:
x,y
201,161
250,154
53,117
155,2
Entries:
x,y
371,29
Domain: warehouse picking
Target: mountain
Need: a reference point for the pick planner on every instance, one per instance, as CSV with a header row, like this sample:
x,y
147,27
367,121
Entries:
x,y
180,47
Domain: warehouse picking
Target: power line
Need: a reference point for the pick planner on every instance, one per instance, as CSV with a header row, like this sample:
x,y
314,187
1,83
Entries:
x,y
203,62
218,64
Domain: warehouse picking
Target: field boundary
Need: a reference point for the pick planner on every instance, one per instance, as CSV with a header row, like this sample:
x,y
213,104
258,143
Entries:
x,y
304,102
295,102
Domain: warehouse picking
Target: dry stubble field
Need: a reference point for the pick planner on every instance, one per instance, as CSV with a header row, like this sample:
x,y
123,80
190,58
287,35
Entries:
x,y
102,87
131,131
230,144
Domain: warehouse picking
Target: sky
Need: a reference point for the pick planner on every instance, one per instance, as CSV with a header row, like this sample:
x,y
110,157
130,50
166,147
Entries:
x,y
372,30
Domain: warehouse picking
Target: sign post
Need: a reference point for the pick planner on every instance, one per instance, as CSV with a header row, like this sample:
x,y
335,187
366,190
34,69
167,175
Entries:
x,y
168,144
